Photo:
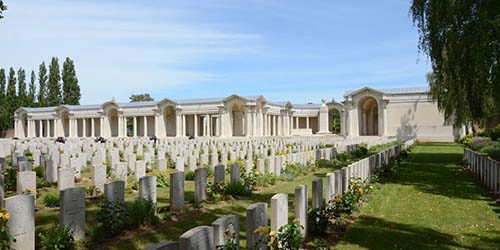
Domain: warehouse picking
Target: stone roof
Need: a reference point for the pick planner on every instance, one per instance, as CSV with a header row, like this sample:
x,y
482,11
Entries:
x,y
394,91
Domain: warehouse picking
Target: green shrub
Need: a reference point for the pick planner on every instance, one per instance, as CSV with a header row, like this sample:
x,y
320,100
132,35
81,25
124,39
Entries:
x,y
113,217
237,188
39,172
189,175
466,140
480,142
322,163
10,179
249,180
142,212
51,200
288,237
318,221
491,151
40,183
58,238
287,177
296,169
493,133
264,180
162,178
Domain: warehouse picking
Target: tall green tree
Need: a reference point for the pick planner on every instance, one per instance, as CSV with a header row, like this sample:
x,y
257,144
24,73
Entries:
x,y
462,40
54,97
22,97
11,98
42,85
3,82
32,90
3,8
71,89
141,98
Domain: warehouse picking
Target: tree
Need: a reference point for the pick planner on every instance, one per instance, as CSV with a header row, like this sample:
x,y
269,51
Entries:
x,y
54,85
335,121
141,98
462,39
42,85
11,98
32,91
3,8
3,82
22,97
71,89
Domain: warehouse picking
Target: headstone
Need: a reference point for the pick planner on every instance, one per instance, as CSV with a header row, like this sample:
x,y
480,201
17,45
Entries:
x,y
22,221
200,185
140,169
72,212
166,245
3,164
317,193
219,173
301,207
330,182
179,164
66,178
24,165
256,217
176,190
98,177
115,191
226,228
26,180
162,164
198,238
261,165
147,188
235,172
50,171
121,171
279,211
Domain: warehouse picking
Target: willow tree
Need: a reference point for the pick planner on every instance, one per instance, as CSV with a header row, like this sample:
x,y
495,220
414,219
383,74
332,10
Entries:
x,y
462,40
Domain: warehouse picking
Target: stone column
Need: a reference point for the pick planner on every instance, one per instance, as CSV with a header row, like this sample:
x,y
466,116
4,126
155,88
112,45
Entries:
x,y
254,122
135,126
183,125
296,122
29,128
385,118
145,122
56,127
307,122
274,125
84,127
40,128
156,125
92,127
204,127
280,124
217,126
101,129
195,121
48,128
209,125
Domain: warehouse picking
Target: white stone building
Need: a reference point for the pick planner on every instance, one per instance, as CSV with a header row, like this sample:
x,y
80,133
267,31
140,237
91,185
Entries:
x,y
403,112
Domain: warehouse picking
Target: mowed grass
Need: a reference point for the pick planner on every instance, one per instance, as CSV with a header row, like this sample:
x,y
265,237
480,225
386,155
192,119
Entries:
x,y
430,203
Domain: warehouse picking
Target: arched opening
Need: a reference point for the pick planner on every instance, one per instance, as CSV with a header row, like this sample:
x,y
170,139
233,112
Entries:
x,y
113,122
237,119
334,121
65,123
170,121
368,116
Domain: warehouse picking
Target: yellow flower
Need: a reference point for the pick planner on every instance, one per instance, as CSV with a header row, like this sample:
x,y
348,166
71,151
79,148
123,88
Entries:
x,y
6,216
261,230
257,173
322,158
1,215
337,199
272,234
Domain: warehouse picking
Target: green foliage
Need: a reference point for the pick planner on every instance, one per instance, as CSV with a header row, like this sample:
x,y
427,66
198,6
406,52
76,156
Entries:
x,y
10,100
71,89
237,188
39,171
3,8
360,151
58,238
493,133
461,39
142,212
320,244
231,242
54,97
42,85
189,175
323,163
41,183
31,99
250,179
51,200
21,88
296,169
491,151
466,140
113,217
162,178
5,237
318,221
141,98
264,180
288,237
10,179
335,121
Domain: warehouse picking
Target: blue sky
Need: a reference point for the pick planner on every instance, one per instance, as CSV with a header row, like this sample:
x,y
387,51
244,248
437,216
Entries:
x,y
300,51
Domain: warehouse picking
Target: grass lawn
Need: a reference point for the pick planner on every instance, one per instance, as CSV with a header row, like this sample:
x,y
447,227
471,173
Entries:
x,y
430,203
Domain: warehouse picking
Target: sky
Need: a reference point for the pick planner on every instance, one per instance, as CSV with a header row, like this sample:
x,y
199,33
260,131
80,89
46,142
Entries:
x,y
301,51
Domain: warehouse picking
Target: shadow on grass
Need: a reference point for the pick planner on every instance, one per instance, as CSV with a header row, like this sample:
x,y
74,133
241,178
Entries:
x,y
376,233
